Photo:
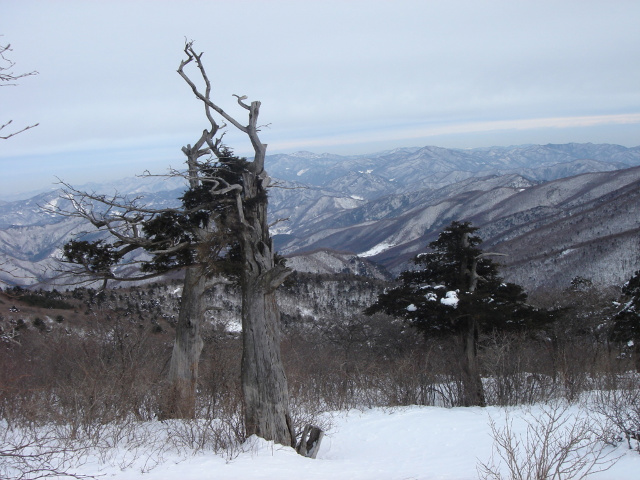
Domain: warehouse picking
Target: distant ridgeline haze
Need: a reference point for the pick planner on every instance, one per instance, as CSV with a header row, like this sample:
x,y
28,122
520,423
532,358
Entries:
x,y
557,211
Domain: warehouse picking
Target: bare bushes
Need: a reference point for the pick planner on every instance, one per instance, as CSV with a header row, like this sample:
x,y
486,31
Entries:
x,y
219,423
98,381
94,390
113,369
31,452
74,390
353,362
618,403
223,436
107,374
42,451
558,444
218,392
516,370
364,362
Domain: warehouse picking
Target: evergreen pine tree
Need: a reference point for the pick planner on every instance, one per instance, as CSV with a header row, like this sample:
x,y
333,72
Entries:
x,y
626,324
455,290
199,232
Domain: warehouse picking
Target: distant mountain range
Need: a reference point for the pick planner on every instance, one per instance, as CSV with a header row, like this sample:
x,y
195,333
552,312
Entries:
x,y
558,211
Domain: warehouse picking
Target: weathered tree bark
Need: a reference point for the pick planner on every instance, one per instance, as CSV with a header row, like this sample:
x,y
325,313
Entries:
x,y
199,246
180,395
182,380
310,441
473,392
264,383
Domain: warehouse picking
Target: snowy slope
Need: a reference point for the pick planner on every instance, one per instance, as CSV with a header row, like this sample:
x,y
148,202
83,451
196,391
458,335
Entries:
x,y
425,443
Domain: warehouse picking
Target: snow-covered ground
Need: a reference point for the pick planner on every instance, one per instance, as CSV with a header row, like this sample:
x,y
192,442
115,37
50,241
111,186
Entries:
x,y
406,443
381,247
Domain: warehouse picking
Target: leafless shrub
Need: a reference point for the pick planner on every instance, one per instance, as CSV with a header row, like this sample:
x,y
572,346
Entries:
x,y
512,374
619,404
219,391
409,381
557,445
100,387
30,453
223,436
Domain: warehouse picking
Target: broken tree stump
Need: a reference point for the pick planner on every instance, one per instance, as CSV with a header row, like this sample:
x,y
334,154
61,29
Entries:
x,y
310,441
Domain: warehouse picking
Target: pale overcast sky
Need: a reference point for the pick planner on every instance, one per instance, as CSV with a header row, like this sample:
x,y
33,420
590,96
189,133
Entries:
x,y
343,76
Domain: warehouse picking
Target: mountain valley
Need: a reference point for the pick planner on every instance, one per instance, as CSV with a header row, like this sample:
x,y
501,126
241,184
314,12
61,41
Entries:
x,y
556,211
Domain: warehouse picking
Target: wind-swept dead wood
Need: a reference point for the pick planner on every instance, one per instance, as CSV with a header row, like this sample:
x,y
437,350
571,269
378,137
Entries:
x,y
264,384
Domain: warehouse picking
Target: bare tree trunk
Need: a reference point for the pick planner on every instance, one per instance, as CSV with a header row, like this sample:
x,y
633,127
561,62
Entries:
x,y
472,381
473,392
180,394
264,383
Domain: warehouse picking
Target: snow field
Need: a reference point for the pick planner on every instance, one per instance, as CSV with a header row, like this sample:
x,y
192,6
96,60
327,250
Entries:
x,y
407,443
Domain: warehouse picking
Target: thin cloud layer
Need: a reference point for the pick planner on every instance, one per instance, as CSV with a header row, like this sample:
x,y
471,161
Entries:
x,y
345,77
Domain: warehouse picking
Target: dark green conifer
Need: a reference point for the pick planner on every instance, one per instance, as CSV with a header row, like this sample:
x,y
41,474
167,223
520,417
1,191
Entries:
x,y
626,324
455,290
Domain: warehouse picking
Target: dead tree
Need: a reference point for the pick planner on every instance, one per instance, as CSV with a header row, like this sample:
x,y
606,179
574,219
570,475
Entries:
x,y
8,78
180,397
134,228
264,384
310,440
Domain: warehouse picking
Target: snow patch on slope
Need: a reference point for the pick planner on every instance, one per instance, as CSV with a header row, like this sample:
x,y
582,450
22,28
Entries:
x,y
381,247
